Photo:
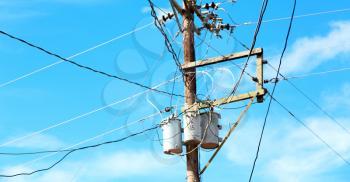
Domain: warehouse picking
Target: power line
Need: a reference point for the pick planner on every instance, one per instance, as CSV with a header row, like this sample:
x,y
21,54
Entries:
x,y
235,108
312,101
285,78
81,115
69,152
95,137
273,91
147,25
297,16
261,16
76,55
67,149
167,42
234,64
310,130
85,67
308,74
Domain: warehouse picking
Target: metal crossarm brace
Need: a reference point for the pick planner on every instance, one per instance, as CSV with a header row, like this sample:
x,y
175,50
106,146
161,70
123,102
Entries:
x,y
258,93
209,61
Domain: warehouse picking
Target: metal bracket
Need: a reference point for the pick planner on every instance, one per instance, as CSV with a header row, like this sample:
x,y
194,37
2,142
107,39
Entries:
x,y
259,79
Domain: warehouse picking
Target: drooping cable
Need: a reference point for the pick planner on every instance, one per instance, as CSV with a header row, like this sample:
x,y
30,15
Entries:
x,y
168,44
82,115
311,100
85,67
69,152
273,91
75,55
310,130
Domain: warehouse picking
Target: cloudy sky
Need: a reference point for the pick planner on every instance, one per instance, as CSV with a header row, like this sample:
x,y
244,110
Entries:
x,y
47,104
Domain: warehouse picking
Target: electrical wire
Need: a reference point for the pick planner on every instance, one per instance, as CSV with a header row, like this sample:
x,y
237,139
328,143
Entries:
x,y
262,13
298,16
235,64
284,78
87,140
149,24
312,101
307,74
81,115
261,16
91,139
235,108
167,42
75,150
85,67
70,148
310,130
76,55
273,90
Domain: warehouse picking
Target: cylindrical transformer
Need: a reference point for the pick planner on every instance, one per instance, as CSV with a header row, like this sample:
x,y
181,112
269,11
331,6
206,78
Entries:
x,y
172,136
210,129
192,128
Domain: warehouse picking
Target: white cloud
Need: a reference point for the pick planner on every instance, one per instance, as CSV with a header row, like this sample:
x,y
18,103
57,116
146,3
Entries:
x,y
307,53
290,153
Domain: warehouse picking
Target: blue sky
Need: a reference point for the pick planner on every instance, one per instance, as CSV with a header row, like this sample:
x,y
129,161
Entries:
x,y
87,105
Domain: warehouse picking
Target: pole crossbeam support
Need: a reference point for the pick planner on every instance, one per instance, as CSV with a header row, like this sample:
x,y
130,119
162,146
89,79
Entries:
x,y
258,52
235,98
259,92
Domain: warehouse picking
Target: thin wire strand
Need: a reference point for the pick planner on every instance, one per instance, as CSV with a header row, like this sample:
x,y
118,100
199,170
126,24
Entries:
x,y
85,67
273,90
90,139
98,136
311,131
167,42
298,16
143,27
314,74
313,102
70,148
81,115
75,150
76,55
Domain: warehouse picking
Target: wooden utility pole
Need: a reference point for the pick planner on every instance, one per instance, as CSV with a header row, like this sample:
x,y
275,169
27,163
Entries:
x,y
190,86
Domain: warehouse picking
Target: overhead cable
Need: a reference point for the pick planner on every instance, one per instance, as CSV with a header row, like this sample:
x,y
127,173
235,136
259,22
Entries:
x,y
273,90
69,152
86,67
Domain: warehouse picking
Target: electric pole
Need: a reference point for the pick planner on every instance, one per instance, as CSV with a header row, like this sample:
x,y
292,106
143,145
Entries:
x,y
194,110
190,86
